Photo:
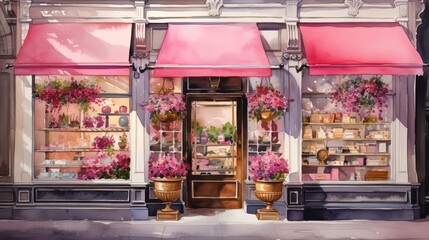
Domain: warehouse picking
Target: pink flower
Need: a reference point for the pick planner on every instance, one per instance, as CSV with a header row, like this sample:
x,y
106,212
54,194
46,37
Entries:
x,y
166,166
268,166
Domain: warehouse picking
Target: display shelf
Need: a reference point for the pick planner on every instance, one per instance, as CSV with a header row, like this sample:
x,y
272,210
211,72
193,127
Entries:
x,y
356,149
346,139
342,166
347,124
77,150
110,129
213,145
349,154
61,165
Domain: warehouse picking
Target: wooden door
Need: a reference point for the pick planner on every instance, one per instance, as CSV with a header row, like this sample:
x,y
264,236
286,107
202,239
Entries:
x,y
214,150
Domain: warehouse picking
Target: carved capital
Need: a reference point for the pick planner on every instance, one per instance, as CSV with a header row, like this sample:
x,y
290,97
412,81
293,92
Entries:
x,y
292,56
293,37
25,10
214,7
354,6
140,41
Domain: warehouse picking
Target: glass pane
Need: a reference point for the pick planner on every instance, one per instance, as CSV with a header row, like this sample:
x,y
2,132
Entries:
x,y
214,151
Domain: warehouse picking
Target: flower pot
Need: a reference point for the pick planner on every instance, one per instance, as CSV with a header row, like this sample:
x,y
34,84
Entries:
x,y
268,192
167,190
166,117
268,115
123,121
106,109
123,109
122,145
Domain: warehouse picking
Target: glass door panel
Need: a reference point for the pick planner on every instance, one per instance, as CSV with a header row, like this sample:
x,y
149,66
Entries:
x,y
214,151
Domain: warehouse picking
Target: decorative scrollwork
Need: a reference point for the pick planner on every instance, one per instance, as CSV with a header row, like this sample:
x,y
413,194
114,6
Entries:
x,y
214,7
353,6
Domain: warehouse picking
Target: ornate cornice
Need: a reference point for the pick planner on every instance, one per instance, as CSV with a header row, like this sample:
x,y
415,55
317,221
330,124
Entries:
x,y
214,7
354,6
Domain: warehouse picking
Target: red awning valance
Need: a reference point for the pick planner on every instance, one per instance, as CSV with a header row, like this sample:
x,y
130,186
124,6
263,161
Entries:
x,y
75,49
212,50
359,48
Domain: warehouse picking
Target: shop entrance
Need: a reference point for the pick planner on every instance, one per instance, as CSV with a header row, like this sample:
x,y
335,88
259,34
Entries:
x,y
214,150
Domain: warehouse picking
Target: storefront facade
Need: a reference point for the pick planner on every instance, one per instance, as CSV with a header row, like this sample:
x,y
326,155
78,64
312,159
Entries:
x,y
215,88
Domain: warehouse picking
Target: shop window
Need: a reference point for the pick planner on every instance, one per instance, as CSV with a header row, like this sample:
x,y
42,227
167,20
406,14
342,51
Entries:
x,y
81,128
266,135
338,145
166,137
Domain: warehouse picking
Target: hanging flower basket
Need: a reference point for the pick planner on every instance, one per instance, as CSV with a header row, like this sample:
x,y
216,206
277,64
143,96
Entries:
x,y
362,97
266,103
165,107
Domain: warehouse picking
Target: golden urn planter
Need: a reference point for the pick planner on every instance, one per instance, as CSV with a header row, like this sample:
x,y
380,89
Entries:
x,y
268,115
167,190
167,117
268,192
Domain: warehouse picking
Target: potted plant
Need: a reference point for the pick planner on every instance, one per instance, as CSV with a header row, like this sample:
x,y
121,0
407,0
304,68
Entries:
x,y
268,171
167,172
266,103
123,140
362,96
64,120
165,107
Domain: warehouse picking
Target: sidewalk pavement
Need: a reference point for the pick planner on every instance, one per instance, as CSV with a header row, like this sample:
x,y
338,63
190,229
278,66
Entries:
x,y
209,224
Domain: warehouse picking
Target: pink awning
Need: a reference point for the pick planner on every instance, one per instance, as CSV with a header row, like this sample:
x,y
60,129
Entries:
x,y
359,48
75,49
212,50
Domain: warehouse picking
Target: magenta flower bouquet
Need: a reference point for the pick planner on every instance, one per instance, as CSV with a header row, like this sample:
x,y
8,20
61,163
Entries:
x,y
266,99
267,167
361,96
104,143
166,166
58,93
165,104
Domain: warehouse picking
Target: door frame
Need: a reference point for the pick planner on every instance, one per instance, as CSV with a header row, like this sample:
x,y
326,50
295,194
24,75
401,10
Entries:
x,y
241,146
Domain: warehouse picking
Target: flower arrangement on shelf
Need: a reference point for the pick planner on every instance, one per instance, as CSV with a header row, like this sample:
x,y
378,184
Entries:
x,y
166,165
361,96
165,107
266,103
123,139
117,169
104,143
268,166
57,93
88,122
